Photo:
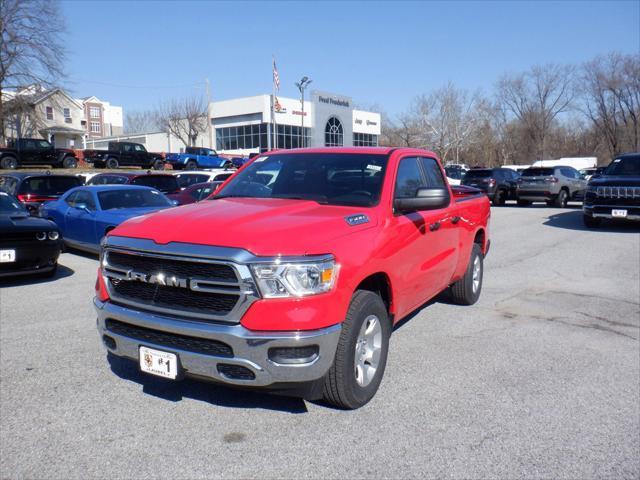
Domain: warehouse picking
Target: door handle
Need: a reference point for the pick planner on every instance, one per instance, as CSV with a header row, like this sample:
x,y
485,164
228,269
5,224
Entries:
x,y
455,219
434,226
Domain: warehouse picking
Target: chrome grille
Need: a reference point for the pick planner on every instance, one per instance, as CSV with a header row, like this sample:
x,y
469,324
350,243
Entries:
x,y
185,287
618,192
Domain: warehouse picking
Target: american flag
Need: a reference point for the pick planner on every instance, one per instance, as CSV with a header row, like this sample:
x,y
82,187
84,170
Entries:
x,y
276,77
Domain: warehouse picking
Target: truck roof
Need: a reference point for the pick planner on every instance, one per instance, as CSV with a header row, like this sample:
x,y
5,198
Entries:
x,y
356,150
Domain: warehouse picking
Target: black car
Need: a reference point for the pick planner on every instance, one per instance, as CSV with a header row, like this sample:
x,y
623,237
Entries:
x,y
498,183
33,189
615,193
124,154
28,245
35,151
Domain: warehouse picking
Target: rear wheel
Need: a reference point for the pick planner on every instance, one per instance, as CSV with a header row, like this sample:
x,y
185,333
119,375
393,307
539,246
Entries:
x,y
361,356
562,199
158,165
499,198
590,222
9,163
112,163
69,162
466,291
523,203
191,165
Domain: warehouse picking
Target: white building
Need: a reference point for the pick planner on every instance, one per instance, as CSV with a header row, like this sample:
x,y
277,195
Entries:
x,y
246,125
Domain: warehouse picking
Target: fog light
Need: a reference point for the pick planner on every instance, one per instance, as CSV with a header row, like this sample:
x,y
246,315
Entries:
x,y
294,355
109,342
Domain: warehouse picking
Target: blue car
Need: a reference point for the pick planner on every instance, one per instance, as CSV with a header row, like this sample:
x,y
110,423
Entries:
x,y
85,214
197,157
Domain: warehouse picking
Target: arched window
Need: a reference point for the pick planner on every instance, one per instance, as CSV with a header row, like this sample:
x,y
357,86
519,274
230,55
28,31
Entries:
x,y
333,133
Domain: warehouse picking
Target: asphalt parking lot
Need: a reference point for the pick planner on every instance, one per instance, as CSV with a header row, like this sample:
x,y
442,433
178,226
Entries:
x,y
540,379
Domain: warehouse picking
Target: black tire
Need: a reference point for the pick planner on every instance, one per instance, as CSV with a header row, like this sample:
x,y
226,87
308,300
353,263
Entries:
x,y
69,162
463,291
112,163
562,199
9,163
341,387
590,222
524,203
191,165
499,198
158,165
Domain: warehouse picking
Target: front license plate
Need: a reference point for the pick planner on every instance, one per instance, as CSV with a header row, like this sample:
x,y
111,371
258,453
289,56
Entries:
x,y
156,362
7,256
619,213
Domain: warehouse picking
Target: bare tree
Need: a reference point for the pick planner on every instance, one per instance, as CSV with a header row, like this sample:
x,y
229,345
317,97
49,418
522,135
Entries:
x,y
31,49
447,120
537,97
185,118
141,121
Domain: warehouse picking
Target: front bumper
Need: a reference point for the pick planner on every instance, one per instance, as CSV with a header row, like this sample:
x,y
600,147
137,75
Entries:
x,y
604,211
250,348
31,258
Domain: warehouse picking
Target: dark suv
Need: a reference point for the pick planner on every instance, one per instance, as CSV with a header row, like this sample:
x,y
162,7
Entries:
x,y
615,193
33,189
498,183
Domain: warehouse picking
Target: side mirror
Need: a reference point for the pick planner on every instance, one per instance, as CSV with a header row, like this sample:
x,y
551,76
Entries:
x,y
175,203
425,199
83,207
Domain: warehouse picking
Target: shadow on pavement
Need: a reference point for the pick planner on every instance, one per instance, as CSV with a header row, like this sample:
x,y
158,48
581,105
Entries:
x,y
572,220
36,278
212,393
81,253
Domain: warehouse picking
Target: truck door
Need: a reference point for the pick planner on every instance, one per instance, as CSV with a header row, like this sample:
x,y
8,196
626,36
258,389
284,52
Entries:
x,y
127,155
141,157
427,249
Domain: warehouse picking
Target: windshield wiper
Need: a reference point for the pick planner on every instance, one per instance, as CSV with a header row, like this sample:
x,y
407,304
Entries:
x,y
217,197
322,201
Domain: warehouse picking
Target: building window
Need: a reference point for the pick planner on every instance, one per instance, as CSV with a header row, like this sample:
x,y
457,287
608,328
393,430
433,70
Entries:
x,y
365,140
290,136
333,133
94,112
67,115
49,111
95,127
243,137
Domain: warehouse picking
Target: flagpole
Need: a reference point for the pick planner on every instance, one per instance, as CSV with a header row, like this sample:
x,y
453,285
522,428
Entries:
x,y
274,144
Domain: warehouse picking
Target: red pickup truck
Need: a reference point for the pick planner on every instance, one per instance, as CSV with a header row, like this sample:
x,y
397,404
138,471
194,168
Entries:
x,y
292,276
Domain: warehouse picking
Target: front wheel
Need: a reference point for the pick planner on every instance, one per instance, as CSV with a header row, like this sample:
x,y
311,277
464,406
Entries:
x,y
361,356
466,291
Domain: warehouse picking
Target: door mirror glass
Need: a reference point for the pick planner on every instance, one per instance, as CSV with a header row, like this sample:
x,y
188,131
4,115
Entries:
x,y
425,199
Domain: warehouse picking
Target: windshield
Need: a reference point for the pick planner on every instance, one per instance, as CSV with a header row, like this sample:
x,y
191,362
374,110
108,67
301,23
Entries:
x,y
478,174
49,185
328,178
624,166
164,183
454,172
8,205
537,172
113,199
186,179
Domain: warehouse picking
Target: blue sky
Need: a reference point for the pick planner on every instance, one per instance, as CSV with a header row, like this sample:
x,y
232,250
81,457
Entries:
x,y
136,54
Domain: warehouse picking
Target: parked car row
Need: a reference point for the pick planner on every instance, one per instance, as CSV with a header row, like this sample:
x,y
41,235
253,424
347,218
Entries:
x,y
34,152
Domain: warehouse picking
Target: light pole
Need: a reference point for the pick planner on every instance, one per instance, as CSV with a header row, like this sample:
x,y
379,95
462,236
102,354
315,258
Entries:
x,y
302,84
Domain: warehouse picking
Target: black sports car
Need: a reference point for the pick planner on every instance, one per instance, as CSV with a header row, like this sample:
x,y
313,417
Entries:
x,y
28,245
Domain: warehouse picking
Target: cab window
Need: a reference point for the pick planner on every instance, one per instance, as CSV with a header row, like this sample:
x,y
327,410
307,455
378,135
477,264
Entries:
x,y
409,178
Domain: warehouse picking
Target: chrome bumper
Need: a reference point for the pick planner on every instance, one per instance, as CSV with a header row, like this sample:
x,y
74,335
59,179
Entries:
x,y
588,210
250,348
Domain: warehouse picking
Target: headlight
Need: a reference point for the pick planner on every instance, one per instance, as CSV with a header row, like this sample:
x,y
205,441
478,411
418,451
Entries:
x,y
591,188
53,235
41,236
299,279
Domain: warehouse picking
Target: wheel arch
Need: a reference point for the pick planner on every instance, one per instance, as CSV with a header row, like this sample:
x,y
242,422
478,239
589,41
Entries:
x,y
380,284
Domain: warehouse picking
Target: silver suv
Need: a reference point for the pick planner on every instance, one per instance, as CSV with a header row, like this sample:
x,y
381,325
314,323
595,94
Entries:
x,y
554,185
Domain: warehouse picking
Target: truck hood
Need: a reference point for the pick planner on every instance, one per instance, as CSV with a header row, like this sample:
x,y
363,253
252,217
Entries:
x,y
263,226
615,180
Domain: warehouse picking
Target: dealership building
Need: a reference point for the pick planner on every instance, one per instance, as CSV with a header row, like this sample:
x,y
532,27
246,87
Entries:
x,y
247,125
